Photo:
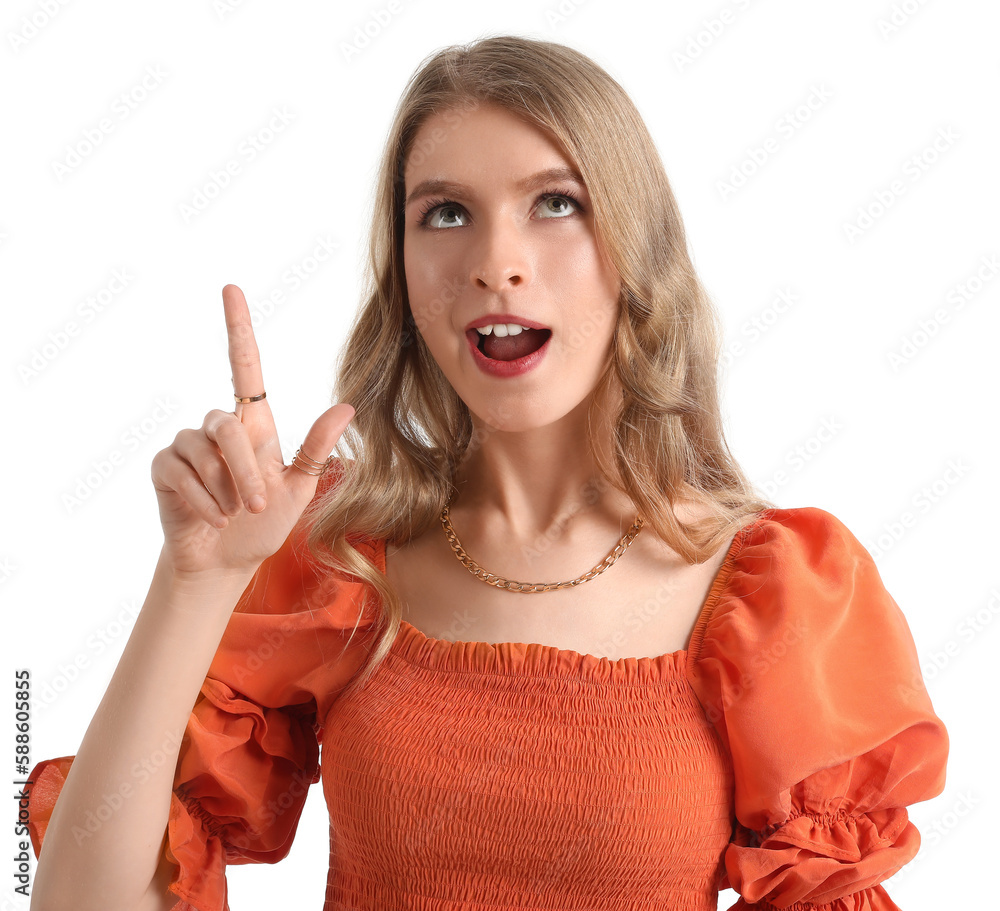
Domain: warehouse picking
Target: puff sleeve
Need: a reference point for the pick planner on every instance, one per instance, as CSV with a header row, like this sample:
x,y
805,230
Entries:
x,y
250,749
807,669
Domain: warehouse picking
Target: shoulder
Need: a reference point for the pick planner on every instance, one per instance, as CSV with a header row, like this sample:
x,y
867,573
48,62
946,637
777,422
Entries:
x,y
798,545
794,573
803,532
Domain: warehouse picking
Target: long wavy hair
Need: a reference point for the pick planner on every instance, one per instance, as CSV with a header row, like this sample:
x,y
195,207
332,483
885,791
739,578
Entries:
x,y
398,458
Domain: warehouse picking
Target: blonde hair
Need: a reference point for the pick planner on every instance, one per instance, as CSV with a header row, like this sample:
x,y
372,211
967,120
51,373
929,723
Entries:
x,y
399,456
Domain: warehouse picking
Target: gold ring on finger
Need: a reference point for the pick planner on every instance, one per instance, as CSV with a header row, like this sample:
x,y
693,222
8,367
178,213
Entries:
x,y
308,465
245,400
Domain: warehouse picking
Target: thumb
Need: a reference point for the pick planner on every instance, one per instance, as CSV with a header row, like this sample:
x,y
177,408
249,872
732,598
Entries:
x,y
318,444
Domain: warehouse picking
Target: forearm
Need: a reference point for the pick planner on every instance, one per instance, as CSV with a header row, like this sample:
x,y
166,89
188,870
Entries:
x,y
104,841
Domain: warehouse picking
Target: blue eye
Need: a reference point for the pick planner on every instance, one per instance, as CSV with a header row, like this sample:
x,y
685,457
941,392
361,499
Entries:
x,y
449,209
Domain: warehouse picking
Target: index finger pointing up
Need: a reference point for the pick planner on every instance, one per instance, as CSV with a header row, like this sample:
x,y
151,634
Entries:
x,y
243,354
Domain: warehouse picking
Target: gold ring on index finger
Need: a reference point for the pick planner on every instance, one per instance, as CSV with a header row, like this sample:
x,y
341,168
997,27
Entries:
x,y
246,399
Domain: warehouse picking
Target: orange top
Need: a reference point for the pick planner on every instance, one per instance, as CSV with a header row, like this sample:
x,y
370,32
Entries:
x,y
775,755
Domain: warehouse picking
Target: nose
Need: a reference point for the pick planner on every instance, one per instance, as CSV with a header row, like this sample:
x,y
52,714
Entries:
x,y
501,258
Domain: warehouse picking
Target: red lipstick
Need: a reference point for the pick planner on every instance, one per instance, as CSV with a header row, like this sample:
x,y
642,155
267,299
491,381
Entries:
x,y
516,367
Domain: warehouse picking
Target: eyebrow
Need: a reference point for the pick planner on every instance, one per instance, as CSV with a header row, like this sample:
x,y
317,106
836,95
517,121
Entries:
x,y
436,186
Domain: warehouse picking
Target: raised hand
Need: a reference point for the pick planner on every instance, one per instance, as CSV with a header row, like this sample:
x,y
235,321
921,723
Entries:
x,y
227,501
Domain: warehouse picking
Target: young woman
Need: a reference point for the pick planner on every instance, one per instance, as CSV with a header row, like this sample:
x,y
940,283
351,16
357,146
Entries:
x,y
704,690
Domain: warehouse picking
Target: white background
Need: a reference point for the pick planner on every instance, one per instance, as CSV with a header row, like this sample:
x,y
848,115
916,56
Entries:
x,y
907,458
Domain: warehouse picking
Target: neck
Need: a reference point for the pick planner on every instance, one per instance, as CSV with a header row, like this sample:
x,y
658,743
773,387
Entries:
x,y
539,485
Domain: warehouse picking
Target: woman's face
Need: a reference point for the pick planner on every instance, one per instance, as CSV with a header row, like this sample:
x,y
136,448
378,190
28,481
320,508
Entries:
x,y
492,244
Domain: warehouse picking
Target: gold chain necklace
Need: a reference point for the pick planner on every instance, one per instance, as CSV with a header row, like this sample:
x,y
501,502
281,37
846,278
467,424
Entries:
x,y
532,587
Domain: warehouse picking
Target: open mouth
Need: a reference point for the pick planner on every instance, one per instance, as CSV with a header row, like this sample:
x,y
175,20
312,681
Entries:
x,y
511,347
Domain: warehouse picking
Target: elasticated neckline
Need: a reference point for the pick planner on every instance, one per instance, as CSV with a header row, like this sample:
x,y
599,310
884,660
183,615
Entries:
x,y
539,660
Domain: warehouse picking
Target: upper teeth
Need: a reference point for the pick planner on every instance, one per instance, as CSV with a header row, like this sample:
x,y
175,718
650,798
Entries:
x,y
501,329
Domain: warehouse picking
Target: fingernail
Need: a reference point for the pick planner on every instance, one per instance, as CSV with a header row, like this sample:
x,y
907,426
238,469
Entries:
x,y
256,503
